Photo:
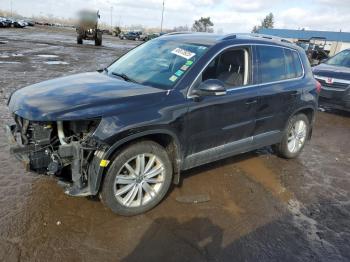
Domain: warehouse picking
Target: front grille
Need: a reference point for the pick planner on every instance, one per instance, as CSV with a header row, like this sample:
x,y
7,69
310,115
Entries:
x,y
336,85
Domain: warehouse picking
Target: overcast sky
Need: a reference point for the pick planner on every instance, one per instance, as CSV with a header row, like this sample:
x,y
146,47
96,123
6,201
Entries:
x,y
227,15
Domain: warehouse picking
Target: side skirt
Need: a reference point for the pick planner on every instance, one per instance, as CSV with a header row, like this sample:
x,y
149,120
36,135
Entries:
x,y
231,149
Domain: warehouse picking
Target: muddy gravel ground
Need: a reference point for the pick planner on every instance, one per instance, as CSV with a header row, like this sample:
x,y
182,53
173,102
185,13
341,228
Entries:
x,y
259,208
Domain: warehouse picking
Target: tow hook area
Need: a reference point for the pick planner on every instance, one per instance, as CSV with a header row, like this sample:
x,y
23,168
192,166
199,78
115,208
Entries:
x,y
84,165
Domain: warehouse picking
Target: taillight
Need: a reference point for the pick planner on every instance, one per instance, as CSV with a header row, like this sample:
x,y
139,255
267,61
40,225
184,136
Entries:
x,y
318,87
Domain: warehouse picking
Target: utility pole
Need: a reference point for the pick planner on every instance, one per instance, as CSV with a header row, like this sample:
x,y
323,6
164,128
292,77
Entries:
x,y
112,17
161,23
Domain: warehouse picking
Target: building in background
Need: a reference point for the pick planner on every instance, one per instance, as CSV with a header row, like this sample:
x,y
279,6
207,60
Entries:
x,y
336,41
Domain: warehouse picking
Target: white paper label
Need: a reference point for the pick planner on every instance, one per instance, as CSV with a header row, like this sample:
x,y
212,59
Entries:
x,y
183,53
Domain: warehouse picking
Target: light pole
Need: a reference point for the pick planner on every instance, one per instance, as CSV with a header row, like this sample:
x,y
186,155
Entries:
x,y
161,23
11,7
112,17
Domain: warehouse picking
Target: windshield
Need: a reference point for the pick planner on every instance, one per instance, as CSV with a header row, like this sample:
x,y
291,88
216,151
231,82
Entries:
x,y
159,63
340,59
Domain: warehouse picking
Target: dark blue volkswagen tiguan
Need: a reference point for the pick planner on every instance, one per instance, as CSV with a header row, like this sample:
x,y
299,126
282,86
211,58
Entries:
x,y
171,104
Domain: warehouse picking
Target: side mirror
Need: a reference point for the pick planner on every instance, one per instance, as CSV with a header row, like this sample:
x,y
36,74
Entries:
x,y
211,87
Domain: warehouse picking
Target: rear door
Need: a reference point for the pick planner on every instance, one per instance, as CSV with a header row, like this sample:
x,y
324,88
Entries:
x,y
280,86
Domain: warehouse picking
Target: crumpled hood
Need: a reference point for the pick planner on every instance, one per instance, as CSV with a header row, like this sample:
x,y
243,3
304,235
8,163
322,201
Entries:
x,y
332,71
81,96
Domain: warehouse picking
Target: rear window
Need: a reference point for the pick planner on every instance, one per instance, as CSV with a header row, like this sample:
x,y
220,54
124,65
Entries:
x,y
278,64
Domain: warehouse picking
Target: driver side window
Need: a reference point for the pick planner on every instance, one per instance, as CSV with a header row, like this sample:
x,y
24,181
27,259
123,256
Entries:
x,y
231,67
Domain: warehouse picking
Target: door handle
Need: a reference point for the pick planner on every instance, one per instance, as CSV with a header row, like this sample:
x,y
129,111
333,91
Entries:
x,y
250,102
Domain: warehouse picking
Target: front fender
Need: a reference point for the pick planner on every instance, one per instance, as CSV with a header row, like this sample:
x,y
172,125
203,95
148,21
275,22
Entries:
x,y
96,171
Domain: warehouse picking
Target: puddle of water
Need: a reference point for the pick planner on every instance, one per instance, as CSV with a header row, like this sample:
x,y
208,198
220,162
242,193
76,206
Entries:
x,y
56,63
48,56
4,56
9,62
257,171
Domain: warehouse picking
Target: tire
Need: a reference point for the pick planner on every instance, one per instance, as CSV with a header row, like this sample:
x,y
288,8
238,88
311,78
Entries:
x,y
79,40
127,202
285,148
98,39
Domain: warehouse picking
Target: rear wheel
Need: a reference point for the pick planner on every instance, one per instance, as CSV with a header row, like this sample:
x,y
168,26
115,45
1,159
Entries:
x,y
138,179
294,137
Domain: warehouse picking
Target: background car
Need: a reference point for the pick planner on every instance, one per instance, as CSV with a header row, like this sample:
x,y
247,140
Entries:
x,y
130,36
334,76
148,37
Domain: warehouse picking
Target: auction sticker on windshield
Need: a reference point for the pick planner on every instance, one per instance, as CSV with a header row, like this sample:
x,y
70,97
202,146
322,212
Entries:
x,y
183,53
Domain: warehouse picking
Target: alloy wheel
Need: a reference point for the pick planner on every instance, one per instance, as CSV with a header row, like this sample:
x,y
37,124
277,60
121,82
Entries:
x,y
139,180
297,136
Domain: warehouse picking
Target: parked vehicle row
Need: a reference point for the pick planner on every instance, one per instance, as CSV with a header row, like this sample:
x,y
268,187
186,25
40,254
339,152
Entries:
x,y
18,23
138,36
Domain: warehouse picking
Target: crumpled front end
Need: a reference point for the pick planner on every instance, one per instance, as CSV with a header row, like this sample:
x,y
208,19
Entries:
x,y
65,149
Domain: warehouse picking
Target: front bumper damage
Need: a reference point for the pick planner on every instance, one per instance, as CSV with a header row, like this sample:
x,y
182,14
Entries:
x,y
77,164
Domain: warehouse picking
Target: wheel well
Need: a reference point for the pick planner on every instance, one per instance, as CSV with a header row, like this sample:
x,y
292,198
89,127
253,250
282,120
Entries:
x,y
309,112
168,142
165,140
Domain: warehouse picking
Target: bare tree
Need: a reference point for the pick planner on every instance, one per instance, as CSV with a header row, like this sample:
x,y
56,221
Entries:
x,y
203,25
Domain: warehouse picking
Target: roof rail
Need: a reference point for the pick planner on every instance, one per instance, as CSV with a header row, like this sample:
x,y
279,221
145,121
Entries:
x,y
271,38
229,37
179,33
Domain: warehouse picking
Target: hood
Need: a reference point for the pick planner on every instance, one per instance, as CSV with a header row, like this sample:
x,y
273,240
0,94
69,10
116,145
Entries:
x,y
81,96
332,71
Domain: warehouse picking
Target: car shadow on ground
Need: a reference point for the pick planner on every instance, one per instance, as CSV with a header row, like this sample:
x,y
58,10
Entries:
x,y
199,239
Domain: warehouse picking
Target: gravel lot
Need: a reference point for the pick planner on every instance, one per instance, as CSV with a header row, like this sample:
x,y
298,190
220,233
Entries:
x,y
260,208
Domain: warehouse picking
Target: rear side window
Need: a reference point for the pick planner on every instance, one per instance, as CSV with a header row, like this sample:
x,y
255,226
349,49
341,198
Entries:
x,y
297,63
278,64
290,66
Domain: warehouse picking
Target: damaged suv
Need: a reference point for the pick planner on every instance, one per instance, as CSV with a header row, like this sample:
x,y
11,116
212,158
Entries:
x,y
176,102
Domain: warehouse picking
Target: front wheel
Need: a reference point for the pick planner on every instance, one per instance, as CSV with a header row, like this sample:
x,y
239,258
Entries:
x,y
138,179
294,137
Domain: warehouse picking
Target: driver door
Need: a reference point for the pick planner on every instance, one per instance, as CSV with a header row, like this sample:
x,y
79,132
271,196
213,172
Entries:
x,y
218,126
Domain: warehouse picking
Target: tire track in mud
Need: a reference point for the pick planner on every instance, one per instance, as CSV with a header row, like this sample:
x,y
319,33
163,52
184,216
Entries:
x,y
256,170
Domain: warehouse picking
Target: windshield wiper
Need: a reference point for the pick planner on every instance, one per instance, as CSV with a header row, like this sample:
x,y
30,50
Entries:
x,y
124,76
